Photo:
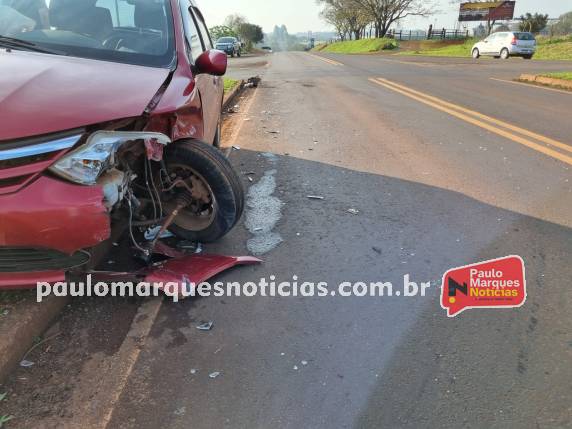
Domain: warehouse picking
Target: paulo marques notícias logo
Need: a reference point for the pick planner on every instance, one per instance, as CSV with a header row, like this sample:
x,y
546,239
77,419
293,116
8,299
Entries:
x,y
497,283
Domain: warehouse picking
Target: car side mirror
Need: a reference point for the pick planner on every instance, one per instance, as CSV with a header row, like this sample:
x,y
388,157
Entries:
x,y
212,62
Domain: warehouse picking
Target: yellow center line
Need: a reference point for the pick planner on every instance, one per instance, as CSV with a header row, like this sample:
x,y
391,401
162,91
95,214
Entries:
x,y
453,110
524,132
327,60
531,85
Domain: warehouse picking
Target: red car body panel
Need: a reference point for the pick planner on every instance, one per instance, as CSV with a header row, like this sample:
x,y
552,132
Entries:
x,y
51,213
42,94
194,269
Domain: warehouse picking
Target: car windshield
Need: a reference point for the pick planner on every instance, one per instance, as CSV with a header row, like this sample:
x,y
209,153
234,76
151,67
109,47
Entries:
x,y
524,36
128,31
225,40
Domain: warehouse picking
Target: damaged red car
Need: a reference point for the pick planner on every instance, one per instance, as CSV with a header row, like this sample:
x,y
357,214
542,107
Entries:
x,y
110,118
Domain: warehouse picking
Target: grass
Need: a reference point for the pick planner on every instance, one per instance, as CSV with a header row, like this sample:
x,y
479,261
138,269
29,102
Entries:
x,y
551,50
559,75
229,84
359,46
3,418
556,48
454,50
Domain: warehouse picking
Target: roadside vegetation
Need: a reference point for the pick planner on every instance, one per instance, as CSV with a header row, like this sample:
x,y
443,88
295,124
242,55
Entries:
x,y
229,84
359,46
4,418
431,48
555,48
559,75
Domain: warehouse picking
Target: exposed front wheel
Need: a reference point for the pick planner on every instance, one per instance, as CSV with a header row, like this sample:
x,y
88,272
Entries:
x,y
476,53
504,54
198,176
527,57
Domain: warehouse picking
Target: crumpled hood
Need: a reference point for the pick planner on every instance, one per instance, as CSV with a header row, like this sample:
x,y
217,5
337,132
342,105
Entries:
x,y
42,93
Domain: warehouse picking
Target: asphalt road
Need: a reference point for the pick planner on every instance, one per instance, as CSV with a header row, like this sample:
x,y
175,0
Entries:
x,y
436,186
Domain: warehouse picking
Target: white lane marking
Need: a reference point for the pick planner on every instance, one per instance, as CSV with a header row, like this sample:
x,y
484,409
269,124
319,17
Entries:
x,y
531,85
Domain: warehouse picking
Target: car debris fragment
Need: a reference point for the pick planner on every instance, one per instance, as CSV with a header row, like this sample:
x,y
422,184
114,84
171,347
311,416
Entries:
x,y
315,197
151,233
205,326
214,374
26,363
353,211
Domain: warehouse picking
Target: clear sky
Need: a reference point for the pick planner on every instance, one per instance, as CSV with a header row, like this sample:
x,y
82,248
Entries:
x,y
303,15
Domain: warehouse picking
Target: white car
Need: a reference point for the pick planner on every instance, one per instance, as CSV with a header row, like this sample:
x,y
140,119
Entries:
x,y
506,44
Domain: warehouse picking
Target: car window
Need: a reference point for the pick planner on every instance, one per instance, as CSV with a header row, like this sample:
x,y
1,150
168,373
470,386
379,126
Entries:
x,y
191,32
524,36
207,42
138,32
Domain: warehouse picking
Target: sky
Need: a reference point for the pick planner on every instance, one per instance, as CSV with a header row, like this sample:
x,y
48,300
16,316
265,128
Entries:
x,y
303,15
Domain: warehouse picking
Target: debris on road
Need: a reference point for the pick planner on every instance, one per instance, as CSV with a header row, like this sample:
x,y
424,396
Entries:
x,y
304,362
236,147
214,374
273,132
194,371
376,250
180,411
353,211
315,197
295,368
253,82
205,326
250,179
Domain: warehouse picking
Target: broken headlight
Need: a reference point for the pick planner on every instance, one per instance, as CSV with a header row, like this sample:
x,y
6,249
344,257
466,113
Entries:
x,y
86,163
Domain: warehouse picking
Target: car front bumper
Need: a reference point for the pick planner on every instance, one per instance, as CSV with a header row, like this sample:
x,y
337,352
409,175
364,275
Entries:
x,y
44,225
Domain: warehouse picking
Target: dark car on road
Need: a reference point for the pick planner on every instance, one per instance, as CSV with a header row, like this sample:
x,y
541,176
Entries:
x,y
110,117
230,45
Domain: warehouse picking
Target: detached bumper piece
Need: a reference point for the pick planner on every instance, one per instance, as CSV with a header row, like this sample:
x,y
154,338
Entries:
x,y
194,269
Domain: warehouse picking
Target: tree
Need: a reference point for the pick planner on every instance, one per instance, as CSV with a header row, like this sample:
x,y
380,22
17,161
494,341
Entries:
x,y
347,17
563,26
222,31
533,23
385,12
250,33
235,21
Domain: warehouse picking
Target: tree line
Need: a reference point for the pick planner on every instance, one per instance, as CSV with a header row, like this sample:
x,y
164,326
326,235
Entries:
x,y
356,18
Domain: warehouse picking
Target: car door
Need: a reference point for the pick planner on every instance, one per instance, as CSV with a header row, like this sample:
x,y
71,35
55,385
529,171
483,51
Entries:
x,y
499,43
214,85
204,82
489,44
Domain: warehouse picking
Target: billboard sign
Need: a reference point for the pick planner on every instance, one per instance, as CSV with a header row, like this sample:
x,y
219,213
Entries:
x,y
487,11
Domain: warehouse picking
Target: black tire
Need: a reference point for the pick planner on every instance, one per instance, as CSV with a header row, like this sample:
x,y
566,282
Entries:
x,y
239,54
476,54
232,54
504,54
222,180
527,57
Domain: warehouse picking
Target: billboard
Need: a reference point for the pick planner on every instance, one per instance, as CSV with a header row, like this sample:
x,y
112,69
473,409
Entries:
x,y
488,10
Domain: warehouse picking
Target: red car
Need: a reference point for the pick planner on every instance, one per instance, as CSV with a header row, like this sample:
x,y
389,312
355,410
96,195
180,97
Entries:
x,y
110,114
